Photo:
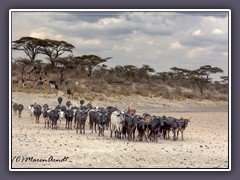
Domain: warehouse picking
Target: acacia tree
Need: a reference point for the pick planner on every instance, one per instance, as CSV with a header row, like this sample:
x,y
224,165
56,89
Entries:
x,y
62,66
21,64
53,49
201,76
180,73
29,45
224,80
129,71
144,71
90,61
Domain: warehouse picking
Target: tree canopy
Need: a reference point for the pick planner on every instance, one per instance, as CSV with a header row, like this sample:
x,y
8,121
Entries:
x,y
29,45
90,61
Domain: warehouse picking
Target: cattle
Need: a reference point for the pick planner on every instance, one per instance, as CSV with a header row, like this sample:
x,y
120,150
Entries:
x,y
69,117
60,99
146,118
109,109
182,124
15,82
169,124
131,111
154,126
45,106
53,85
81,117
68,104
61,113
20,109
92,120
82,102
37,112
101,122
54,116
117,121
141,127
45,83
98,118
70,92
74,108
31,110
130,125
15,108
45,115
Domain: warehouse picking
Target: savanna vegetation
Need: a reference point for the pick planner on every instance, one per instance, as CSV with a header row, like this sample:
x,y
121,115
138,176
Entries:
x,y
89,74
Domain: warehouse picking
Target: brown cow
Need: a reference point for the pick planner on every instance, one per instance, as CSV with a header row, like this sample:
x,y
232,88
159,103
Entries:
x,y
15,82
70,92
146,118
131,111
182,124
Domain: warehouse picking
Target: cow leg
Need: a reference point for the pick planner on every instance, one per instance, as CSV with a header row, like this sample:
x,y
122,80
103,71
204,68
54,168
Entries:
x,y
95,127
84,128
168,132
77,128
134,134
98,130
80,126
182,134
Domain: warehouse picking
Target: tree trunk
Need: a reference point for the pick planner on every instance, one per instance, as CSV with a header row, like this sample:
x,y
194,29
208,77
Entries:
x,y
22,76
61,78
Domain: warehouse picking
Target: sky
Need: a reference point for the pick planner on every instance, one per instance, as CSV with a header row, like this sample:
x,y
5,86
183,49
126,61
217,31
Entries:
x,y
161,39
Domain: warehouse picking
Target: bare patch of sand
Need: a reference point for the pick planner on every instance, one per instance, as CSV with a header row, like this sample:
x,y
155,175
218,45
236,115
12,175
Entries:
x,y
205,143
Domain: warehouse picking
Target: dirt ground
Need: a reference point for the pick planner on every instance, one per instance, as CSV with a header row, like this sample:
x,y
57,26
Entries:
x,y
205,143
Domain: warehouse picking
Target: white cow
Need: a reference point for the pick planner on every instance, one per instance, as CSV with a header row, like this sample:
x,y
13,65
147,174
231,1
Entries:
x,y
31,110
117,120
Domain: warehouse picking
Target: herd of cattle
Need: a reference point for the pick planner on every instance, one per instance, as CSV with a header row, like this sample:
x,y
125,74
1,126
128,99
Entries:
x,y
122,124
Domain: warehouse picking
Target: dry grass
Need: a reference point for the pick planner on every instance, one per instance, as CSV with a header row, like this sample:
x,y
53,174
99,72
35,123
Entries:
x,y
97,89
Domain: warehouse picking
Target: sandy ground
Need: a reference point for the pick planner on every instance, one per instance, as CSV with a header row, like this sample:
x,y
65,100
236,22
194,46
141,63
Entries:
x,y
205,143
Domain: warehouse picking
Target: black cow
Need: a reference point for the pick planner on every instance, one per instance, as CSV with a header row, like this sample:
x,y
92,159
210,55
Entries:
x,y
20,109
37,112
130,126
53,85
68,104
169,124
54,116
101,122
45,107
60,99
155,124
81,117
92,120
141,127
45,115
69,117
15,108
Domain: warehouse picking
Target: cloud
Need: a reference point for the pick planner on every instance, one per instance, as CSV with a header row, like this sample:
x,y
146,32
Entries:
x,y
128,48
134,37
197,32
176,45
198,52
217,31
